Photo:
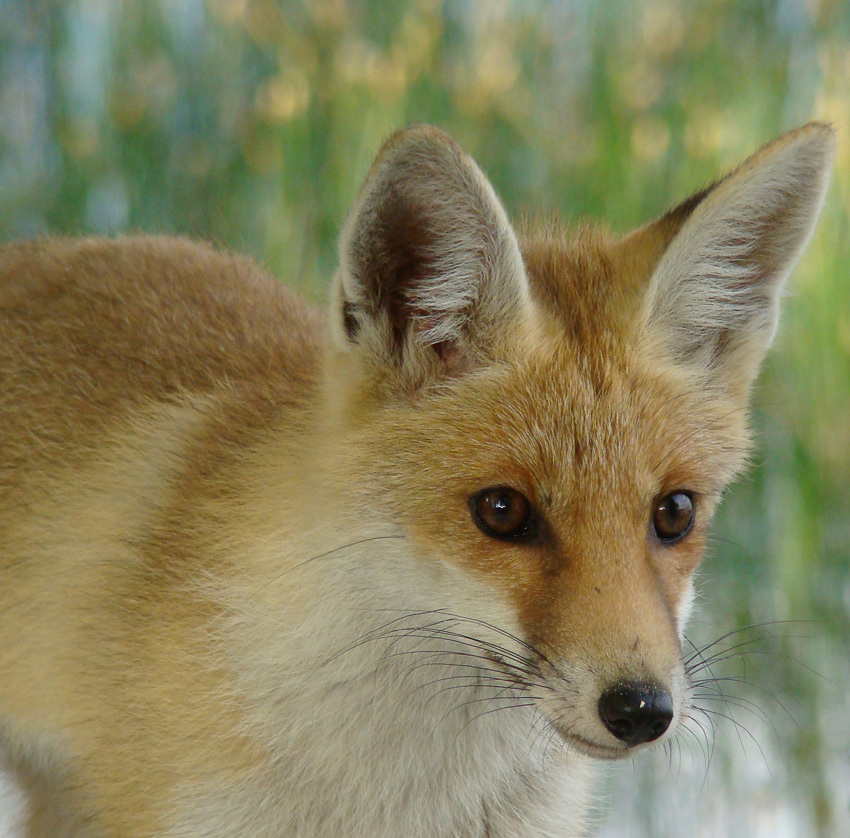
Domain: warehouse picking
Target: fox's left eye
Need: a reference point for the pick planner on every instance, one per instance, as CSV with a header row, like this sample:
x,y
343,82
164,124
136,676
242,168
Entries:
x,y
503,513
673,517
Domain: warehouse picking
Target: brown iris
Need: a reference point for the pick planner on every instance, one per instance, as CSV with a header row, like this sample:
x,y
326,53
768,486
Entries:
x,y
503,512
673,517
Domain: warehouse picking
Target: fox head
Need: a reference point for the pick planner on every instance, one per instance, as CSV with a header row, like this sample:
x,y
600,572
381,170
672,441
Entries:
x,y
550,421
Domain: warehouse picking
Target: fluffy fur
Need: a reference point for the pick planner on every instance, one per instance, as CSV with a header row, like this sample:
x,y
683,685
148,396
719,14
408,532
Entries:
x,y
242,589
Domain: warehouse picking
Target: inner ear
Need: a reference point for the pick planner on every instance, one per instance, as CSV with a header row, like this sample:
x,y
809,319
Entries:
x,y
396,254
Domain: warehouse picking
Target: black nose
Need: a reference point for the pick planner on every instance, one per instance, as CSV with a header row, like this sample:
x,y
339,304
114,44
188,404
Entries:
x,y
636,713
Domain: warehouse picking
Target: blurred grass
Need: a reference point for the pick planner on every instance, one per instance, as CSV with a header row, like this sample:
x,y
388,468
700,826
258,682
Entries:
x,y
251,122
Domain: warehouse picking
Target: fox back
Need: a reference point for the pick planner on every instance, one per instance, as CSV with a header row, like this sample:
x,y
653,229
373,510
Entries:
x,y
408,567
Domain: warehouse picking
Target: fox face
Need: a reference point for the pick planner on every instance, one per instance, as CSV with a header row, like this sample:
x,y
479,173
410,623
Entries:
x,y
557,416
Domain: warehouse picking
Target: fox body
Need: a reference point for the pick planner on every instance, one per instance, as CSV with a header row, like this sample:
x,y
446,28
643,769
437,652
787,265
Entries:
x,y
408,567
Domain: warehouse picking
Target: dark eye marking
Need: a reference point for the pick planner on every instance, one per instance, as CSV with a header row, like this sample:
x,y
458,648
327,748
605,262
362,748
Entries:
x,y
503,513
673,517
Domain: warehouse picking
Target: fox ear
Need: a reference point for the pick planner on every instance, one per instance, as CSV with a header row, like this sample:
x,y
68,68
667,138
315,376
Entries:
x,y
721,258
431,277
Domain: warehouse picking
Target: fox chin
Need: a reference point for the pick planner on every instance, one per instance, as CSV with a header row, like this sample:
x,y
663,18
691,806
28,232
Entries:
x,y
409,566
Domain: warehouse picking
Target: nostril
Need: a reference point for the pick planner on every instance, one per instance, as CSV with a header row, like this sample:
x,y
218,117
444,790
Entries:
x,y
636,713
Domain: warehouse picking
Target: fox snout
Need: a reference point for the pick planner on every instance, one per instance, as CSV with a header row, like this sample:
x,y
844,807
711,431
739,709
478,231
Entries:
x,y
611,691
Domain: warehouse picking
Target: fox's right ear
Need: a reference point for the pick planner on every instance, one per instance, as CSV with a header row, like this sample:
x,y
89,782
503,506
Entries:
x,y
431,279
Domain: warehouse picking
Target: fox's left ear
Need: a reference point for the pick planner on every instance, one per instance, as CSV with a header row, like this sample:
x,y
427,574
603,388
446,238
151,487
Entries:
x,y
718,262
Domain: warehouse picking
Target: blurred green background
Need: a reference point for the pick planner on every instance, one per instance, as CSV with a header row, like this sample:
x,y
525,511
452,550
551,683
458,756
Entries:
x,y
251,122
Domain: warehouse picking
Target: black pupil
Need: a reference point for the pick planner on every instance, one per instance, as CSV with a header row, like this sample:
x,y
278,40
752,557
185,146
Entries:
x,y
502,513
674,515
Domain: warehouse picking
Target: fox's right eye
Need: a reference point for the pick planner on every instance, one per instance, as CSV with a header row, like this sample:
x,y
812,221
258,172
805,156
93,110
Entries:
x,y
503,513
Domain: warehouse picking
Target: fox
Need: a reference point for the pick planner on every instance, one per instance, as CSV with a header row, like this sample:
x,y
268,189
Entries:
x,y
416,564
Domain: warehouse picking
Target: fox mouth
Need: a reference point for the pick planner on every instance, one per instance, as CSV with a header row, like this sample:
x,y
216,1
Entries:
x,y
593,749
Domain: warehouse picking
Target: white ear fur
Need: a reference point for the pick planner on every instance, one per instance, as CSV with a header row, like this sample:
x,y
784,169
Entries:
x,y
714,296
429,264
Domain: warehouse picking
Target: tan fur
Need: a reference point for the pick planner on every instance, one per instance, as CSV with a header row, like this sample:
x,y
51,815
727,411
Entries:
x,y
230,532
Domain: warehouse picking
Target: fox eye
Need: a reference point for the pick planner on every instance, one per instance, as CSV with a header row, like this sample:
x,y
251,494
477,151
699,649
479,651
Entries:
x,y
503,513
673,517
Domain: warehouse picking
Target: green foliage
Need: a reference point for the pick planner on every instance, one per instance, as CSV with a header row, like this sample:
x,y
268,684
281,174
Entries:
x,y
252,122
